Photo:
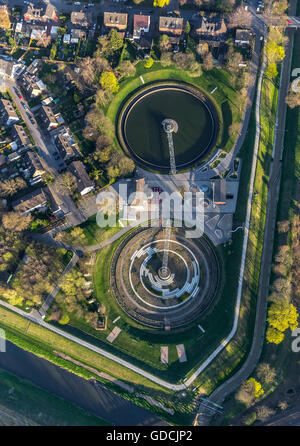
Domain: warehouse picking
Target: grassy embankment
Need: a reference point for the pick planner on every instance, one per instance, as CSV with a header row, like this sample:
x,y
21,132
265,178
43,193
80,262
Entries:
x,y
281,357
28,404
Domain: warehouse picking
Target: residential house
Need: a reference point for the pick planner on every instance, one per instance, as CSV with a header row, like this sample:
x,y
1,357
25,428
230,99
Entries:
x,y
77,34
13,156
9,69
21,137
36,199
42,11
171,25
32,84
33,165
115,20
50,118
84,183
8,114
23,29
67,38
243,37
38,32
3,160
66,145
141,25
82,18
34,67
211,27
4,17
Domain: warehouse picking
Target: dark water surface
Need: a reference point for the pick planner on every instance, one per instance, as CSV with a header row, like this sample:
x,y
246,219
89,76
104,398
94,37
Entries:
x,y
97,401
147,139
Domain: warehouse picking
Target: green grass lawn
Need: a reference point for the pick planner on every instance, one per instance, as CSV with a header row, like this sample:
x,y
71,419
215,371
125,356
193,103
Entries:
x,y
95,234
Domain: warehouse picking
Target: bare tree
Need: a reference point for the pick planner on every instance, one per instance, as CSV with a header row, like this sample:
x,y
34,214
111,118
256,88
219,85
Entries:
x,y
266,373
264,412
66,182
208,62
16,222
240,18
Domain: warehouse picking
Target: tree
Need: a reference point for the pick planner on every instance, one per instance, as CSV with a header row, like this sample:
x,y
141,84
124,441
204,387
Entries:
x,y
293,99
249,418
44,40
280,7
119,165
266,373
202,49
64,319
11,296
195,69
234,60
109,81
164,43
276,35
258,390
274,336
111,43
240,18
246,393
102,97
78,236
91,317
53,51
183,60
263,412
166,59
160,3
208,62
275,52
126,69
66,182
97,123
149,62
187,28
10,186
16,222
271,71
283,405
282,315
72,283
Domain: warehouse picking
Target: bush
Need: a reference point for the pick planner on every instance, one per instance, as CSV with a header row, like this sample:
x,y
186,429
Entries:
x,y
249,419
64,320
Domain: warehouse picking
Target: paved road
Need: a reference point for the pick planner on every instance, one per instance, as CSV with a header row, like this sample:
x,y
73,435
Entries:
x,y
230,385
46,148
68,6
51,296
288,418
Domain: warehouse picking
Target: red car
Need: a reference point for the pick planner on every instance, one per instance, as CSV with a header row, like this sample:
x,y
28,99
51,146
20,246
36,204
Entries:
x,y
289,22
20,96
